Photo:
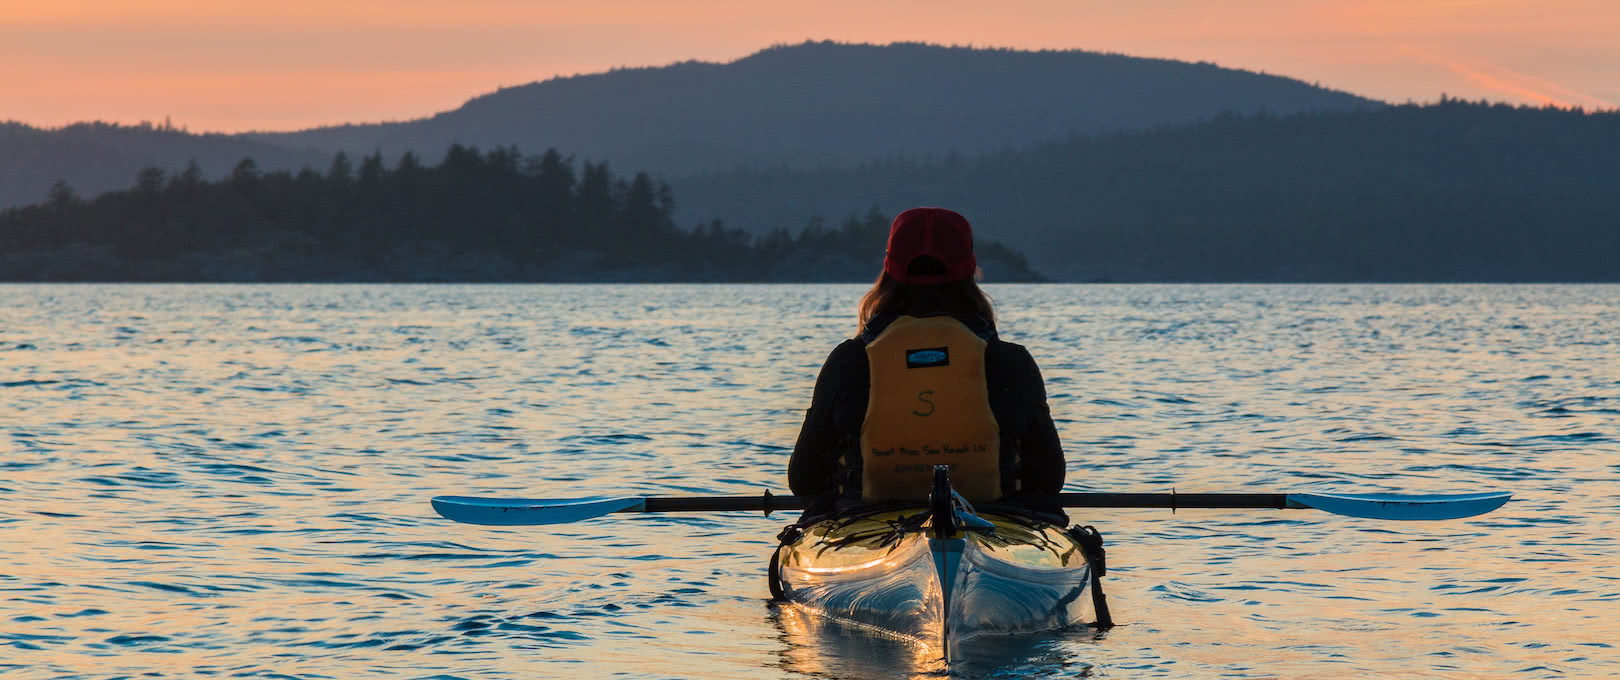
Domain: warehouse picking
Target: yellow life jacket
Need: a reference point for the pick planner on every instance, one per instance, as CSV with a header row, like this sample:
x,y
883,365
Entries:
x,y
928,405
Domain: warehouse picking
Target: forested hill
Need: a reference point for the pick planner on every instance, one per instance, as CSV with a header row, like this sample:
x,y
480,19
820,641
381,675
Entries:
x,y
818,104
496,216
801,106
1455,191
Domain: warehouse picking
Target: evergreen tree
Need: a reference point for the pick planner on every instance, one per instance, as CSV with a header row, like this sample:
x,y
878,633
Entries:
x,y
149,181
597,207
371,169
342,171
245,174
61,196
191,177
551,197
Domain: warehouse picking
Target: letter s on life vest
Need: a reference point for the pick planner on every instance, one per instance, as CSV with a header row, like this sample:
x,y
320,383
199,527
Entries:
x,y
928,397
923,397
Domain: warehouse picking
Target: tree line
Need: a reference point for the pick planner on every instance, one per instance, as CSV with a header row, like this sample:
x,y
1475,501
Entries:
x,y
487,216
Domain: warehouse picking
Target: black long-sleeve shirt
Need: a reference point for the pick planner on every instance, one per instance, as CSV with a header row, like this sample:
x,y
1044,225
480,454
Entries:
x,y
827,454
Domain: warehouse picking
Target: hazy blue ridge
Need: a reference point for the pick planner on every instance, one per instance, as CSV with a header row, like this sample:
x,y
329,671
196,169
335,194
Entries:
x,y
1454,191
807,105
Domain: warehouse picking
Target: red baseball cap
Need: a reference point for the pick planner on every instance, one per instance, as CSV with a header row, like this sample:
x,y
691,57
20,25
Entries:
x,y
932,232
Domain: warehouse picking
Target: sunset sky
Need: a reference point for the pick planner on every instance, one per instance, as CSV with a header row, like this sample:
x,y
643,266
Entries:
x,y
226,65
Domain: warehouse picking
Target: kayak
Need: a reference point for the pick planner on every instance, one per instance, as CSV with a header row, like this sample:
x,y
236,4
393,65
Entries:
x,y
891,570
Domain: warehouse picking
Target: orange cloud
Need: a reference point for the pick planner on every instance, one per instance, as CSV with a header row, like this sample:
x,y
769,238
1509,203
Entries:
x,y
1518,85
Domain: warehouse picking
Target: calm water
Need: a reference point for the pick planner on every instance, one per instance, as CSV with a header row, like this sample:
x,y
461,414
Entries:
x,y
233,480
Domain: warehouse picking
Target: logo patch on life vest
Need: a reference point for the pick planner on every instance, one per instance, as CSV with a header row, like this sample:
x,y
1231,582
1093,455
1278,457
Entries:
x,y
928,358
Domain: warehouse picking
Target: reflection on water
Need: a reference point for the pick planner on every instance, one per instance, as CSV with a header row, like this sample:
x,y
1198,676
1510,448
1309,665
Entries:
x,y
817,647
232,480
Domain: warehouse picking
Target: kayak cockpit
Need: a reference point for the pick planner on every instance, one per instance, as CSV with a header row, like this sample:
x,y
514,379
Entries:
x,y
887,569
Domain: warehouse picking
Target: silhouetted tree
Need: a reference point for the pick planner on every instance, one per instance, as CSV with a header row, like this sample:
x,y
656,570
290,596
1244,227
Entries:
x,y
341,170
597,205
61,196
189,178
245,173
149,181
371,169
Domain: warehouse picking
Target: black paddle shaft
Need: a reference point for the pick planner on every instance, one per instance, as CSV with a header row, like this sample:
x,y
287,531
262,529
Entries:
x,y
1173,500
768,503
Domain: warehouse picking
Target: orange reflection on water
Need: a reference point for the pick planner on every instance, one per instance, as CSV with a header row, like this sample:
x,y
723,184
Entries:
x,y
819,647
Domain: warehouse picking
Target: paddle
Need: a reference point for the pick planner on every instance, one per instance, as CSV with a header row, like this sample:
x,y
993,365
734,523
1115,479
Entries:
x,y
533,511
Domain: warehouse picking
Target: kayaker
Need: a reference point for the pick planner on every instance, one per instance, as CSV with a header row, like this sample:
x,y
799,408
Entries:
x,y
927,381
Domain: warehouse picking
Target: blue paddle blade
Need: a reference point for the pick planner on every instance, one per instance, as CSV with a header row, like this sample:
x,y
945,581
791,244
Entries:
x,y
531,511
1401,506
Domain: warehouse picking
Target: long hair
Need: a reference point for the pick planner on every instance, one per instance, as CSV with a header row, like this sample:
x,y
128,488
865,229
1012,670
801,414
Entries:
x,y
889,295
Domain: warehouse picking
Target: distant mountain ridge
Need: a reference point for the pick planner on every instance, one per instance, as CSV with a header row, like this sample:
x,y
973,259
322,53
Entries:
x,y
1454,191
821,104
800,106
